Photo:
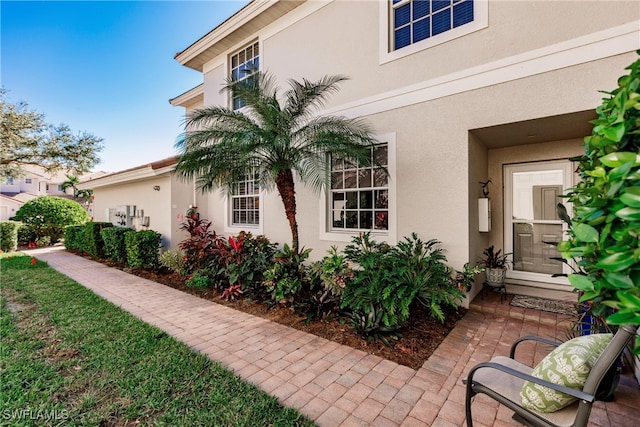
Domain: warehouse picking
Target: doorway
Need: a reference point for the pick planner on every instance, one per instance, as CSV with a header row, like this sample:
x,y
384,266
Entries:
x,y
531,221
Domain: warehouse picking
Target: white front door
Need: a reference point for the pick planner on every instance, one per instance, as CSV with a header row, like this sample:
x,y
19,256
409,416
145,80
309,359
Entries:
x,y
532,191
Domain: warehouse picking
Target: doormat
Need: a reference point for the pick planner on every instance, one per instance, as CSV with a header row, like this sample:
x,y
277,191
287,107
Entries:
x,y
553,306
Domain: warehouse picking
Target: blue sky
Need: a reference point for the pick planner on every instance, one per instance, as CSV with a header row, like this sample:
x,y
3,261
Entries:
x,y
107,67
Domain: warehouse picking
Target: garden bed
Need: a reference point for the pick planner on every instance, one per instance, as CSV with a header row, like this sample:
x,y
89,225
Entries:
x,y
417,340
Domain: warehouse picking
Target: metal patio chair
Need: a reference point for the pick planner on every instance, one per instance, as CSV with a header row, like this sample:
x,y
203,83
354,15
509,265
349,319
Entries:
x,y
502,379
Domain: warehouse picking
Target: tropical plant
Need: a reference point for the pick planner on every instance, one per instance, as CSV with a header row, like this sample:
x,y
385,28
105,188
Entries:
x,y
241,260
286,278
605,229
464,279
175,260
493,259
270,140
48,216
78,195
329,277
201,246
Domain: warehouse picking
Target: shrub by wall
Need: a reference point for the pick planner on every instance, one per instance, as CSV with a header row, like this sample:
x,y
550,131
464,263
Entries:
x,y
73,237
143,248
9,235
48,216
114,243
92,242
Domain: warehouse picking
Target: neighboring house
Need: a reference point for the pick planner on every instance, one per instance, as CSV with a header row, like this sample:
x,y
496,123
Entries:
x,y
145,197
459,92
35,182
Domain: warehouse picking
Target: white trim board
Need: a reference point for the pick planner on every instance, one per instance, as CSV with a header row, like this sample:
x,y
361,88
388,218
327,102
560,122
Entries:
x,y
592,47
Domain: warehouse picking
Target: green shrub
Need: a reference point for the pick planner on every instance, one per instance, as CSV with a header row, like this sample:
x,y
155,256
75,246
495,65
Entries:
x,y
142,248
114,243
605,229
198,280
389,279
287,276
27,235
48,216
241,260
175,260
92,242
9,235
73,237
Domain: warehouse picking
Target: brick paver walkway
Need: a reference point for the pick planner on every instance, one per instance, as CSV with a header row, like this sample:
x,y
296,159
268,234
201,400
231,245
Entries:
x,y
334,384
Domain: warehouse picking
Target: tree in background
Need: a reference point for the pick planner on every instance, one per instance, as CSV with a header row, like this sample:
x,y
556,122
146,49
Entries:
x,y
271,140
79,196
26,139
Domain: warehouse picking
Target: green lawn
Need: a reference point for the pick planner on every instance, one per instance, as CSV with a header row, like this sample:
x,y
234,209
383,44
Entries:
x,y
68,357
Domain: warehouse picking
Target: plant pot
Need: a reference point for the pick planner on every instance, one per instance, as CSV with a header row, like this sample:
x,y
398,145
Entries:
x,y
495,276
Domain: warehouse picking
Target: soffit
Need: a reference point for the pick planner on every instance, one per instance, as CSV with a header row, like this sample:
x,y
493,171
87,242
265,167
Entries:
x,y
545,129
244,24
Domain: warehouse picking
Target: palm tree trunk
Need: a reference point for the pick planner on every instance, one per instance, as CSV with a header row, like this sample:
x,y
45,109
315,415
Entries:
x,y
285,185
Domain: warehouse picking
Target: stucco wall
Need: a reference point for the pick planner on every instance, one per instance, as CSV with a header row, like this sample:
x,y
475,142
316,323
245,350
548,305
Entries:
x,y
344,38
156,204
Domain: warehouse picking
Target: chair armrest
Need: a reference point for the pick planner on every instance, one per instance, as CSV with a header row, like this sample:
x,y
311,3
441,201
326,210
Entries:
x,y
531,338
570,391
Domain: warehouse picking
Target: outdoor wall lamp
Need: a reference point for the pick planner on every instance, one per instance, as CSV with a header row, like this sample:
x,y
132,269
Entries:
x,y
156,187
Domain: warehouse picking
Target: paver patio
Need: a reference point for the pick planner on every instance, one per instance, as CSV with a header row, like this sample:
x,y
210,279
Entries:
x,y
334,384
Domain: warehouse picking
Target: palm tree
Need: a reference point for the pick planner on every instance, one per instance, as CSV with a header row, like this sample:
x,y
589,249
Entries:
x,y
72,182
271,140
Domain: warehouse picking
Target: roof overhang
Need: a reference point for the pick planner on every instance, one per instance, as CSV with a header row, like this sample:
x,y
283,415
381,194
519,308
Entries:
x,y
138,173
245,23
191,97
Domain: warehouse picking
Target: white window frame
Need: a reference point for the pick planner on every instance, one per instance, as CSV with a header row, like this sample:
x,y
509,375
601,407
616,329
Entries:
x,y
387,54
27,181
230,227
568,181
389,235
255,44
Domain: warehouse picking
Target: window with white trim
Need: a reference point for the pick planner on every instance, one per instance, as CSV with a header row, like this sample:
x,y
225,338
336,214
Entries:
x,y
245,202
415,20
359,196
27,181
244,65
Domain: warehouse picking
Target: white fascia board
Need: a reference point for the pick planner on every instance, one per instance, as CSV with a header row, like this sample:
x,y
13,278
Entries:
x,y
117,178
592,47
237,20
187,96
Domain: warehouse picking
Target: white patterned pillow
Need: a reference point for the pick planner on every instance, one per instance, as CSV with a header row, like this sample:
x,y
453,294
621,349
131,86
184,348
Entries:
x,y
569,365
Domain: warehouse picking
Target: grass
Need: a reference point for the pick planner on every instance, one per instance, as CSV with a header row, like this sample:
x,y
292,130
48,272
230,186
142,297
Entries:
x,y
69,357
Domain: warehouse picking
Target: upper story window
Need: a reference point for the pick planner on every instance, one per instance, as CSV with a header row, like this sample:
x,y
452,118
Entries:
x,y
244,64
417,20
245,202
359,196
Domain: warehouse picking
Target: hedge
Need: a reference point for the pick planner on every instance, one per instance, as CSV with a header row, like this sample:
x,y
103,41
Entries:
x,y
74,237
9,235
114,243
143,248
92,241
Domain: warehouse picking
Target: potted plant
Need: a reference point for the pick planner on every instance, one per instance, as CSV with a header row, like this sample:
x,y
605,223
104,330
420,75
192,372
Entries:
x,y
464,279
495,265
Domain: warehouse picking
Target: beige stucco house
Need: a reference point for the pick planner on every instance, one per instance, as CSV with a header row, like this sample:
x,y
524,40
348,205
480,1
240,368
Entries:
x,y
458,92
